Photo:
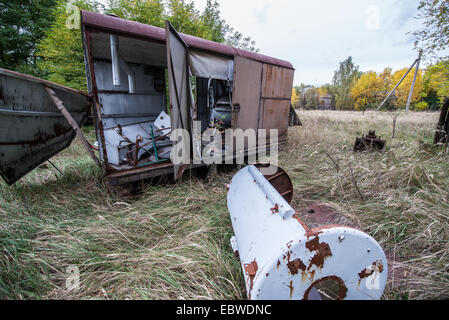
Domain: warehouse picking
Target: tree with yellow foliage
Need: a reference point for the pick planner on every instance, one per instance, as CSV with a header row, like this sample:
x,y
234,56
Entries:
x,y
295,98
436,78
367,90
403,90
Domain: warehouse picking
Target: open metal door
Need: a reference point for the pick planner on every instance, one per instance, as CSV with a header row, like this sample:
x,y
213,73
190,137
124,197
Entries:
x,y
32,128
179,93
246,93
246,100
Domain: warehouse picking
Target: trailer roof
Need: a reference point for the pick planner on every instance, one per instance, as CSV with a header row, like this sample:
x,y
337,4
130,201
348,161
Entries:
x,y
140,30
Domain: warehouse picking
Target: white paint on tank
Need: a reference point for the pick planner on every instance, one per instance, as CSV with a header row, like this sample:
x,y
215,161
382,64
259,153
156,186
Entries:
x,y
282,259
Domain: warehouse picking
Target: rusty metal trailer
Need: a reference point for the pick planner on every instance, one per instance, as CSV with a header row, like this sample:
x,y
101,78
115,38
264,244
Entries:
x,y
128,65
144,82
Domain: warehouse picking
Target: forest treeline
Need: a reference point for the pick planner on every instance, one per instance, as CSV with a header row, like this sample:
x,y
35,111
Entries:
x,y
352,89
35,39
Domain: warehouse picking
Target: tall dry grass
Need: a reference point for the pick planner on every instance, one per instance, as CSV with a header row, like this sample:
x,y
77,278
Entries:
x,y
400,196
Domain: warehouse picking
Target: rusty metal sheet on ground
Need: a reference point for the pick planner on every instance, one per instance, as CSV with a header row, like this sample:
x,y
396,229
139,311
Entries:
x,y
32,128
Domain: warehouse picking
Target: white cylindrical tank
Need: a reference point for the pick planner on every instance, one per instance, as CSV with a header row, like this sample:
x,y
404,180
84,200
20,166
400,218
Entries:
x,y
283,259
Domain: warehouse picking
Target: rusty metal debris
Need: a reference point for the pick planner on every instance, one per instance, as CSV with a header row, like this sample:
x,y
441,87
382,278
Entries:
x,y
443,124
369,142
293,119
320,214
280,181
33,128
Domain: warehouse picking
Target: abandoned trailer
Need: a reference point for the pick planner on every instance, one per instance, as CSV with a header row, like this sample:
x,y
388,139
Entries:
x,y
129,66
220,86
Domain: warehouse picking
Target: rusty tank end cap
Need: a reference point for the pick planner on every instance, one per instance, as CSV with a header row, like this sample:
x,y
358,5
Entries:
x,y
307,265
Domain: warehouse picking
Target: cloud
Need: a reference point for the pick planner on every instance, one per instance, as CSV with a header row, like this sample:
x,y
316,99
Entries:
x,y
316,35
261,14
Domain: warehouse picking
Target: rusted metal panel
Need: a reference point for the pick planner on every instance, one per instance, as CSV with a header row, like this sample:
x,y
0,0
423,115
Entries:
x,y
246,93
282,258
319,214
277,82
277,86
275,116
139,30
33,129
139,174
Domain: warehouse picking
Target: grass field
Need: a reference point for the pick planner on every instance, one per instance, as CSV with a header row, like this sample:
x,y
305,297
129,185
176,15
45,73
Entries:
x,y
172,241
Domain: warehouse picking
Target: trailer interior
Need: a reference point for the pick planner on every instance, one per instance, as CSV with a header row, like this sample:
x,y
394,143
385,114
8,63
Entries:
x,y
133,124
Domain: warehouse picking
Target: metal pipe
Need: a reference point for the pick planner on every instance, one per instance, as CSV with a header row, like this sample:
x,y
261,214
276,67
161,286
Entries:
x,y
117,63
115,60
150,142
409,100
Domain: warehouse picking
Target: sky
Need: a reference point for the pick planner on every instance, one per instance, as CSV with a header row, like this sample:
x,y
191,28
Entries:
x,y
316,35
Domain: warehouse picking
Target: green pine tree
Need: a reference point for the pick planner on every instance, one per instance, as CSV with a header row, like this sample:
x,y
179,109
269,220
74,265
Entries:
x,y
22,24
62,48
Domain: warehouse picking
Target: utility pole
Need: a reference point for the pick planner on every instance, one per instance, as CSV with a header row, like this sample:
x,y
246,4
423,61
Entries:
x,y
413,83
417,61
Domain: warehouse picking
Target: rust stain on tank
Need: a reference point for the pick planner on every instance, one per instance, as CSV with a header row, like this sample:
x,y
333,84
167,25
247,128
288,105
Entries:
x,y
287,255
316,231
322,252
312,275
291,289
296,216
251,270
296,265
278,264
275,209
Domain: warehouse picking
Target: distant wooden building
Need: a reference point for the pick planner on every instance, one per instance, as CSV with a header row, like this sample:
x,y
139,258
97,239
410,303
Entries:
x,y
327,103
